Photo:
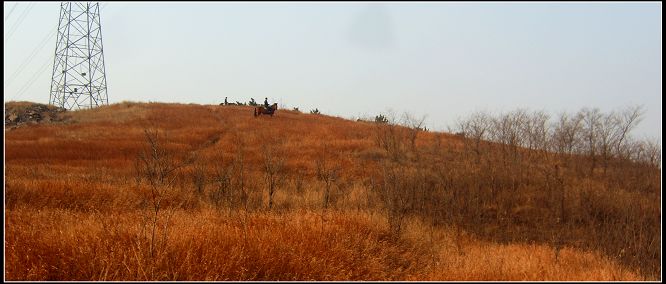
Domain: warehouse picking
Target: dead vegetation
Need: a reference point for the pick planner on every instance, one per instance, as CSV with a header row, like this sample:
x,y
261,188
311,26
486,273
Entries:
x,y
188,192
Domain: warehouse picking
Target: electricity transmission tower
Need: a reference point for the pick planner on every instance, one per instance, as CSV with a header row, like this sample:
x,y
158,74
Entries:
x,y
79,80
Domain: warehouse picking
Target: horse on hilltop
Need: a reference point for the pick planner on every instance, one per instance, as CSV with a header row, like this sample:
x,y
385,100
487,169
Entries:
x,y
262,110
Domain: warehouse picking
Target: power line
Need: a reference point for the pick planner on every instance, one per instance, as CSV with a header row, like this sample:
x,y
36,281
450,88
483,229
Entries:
x,y
10,12
32,55
32,79
18,23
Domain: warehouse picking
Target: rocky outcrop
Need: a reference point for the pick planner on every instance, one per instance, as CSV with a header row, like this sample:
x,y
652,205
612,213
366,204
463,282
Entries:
x,y
26,113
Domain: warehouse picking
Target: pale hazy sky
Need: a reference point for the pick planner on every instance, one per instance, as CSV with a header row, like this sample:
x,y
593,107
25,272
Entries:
x,y
443,60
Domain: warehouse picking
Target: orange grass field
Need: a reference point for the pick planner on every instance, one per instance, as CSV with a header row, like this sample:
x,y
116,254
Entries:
x,y
79,207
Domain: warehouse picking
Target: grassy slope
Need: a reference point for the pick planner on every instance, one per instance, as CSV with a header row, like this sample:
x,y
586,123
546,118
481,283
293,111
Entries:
x,y
74,211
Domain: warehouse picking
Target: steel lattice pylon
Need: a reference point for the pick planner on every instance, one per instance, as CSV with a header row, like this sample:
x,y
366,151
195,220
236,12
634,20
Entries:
x,y
78,79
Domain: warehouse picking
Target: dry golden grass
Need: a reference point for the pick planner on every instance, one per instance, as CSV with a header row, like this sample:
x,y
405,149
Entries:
x,y
76,211
465,258
300,245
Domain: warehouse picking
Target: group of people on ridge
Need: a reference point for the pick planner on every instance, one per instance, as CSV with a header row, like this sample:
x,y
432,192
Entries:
x,y
266,105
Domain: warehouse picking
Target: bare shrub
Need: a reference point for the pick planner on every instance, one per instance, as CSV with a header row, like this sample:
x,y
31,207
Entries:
x,y
156,165
475,127
328,173
299,182
567,134
506,130
537,131
199,178
625,120
273,168
592,122
414,125
394,197
389,136
222,191
556,170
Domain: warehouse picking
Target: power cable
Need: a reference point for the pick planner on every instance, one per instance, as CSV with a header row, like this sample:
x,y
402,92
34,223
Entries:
x,y
10,12
19,21
43,68
32,79
32,55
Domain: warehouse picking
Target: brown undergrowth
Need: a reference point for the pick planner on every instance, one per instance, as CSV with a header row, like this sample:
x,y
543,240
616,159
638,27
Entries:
x,y
152,191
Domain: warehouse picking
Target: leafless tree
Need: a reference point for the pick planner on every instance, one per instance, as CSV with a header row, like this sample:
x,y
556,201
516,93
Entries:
x,y
476,127
328,174
506,130
625,121
223,180
647,151
605,135
567,133
414,126
273,170
537,130
592,122
199,178
390,137
156,165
